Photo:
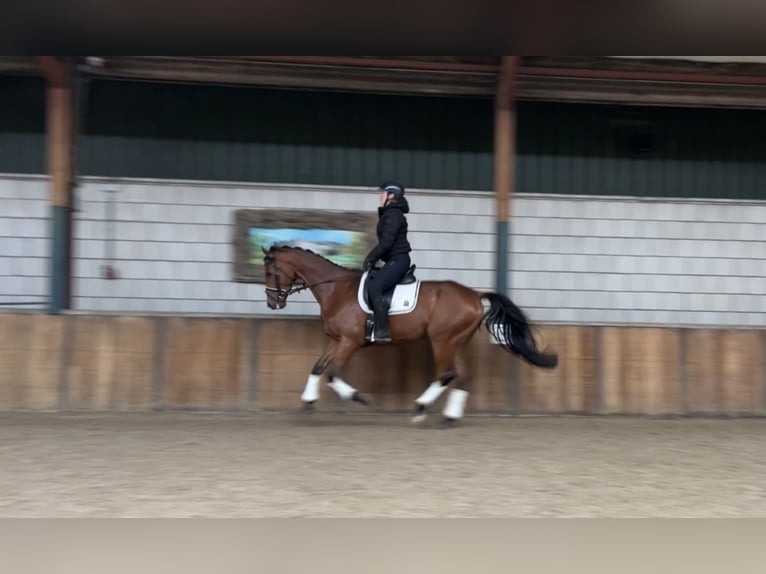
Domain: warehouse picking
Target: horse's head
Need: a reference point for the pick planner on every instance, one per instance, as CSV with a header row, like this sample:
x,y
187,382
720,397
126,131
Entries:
x,y
281,277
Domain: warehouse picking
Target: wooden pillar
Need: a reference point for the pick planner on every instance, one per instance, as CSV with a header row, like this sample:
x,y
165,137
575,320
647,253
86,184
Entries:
x,y
505,164
60,111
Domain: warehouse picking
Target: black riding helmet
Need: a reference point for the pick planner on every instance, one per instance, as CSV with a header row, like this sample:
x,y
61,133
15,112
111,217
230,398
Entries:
x,y
393,187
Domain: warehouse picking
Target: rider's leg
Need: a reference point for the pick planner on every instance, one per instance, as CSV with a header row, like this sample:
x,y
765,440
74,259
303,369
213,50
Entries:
x,y
384,279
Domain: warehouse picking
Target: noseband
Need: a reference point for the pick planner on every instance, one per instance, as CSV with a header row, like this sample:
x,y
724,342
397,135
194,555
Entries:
x,y
283,294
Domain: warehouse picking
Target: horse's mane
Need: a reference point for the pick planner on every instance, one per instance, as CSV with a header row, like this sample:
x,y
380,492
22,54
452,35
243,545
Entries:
x,y
322,257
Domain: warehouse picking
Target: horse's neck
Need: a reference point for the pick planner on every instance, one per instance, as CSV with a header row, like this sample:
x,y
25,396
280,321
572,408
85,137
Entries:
x,y
314,270
321,276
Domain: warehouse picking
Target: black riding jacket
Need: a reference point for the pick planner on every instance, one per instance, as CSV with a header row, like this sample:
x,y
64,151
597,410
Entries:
x,y
392,232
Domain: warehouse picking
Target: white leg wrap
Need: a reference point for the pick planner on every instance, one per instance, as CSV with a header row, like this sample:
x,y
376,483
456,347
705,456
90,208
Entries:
x,y
311,392
432,393
344,390
455,406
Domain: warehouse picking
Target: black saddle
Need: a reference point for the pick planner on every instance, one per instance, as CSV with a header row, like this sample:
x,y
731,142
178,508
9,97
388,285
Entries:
x,y
409,277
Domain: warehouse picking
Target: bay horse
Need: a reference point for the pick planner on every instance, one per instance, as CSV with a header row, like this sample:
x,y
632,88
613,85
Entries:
x,y
446,312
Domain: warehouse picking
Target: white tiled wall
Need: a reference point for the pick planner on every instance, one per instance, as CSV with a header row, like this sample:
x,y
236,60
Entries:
x,y
24,245
588,260
572,259
172,242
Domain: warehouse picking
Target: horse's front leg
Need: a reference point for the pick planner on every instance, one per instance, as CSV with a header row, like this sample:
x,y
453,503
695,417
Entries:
x,y
311,390
338,362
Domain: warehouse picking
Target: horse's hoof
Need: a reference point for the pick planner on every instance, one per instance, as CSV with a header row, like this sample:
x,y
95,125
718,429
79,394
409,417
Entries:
x,y
448,422
308,407
361,399
419,419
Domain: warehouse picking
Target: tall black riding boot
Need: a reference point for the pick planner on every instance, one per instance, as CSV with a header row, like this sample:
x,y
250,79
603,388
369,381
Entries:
x,y
380,310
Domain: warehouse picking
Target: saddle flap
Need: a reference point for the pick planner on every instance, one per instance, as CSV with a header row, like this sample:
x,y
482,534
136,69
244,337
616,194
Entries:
x,y
401,299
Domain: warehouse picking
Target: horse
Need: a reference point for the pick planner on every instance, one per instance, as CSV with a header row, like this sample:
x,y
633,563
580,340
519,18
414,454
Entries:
x,y
448,313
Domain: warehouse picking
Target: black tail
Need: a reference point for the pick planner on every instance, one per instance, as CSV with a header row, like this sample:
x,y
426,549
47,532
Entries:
x,y
507,323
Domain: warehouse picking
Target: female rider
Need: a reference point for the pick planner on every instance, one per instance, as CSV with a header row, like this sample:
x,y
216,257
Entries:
x,y
393,249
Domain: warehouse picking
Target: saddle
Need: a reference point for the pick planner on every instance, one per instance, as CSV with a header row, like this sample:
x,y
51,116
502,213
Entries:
x,y
400,299
408,279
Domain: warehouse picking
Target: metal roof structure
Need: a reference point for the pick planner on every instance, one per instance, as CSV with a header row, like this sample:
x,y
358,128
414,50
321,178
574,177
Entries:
x,y
688,81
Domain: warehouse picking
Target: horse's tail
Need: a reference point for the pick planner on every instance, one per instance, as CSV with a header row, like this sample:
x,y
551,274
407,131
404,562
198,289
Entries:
x,y
508,324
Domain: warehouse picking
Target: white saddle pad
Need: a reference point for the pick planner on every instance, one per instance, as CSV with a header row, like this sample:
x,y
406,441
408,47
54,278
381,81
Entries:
x,y
403,301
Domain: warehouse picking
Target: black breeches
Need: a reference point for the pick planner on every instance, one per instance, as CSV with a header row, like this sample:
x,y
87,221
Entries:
x,y
388,275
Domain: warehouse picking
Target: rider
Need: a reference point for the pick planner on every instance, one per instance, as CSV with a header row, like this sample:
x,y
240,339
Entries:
x,y
393,249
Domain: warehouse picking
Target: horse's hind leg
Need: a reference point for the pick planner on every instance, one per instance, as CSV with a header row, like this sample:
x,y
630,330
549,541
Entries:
x,y
454,408
450,362
430,395
444,356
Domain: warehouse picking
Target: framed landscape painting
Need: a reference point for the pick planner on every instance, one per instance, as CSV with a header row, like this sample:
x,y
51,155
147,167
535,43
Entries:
x,y
344,237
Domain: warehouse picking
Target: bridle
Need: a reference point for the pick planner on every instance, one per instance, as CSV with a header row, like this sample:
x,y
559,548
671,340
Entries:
x,y
281,294
298,284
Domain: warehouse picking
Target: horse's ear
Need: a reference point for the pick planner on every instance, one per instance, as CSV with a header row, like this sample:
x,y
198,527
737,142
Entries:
x,y
264,250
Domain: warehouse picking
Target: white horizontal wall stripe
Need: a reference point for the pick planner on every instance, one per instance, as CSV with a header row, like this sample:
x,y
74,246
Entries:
x,y
24,241
629,260
572,258
173,241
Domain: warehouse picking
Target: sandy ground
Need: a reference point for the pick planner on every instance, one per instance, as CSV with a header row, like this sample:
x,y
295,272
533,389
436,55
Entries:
x,y
259,465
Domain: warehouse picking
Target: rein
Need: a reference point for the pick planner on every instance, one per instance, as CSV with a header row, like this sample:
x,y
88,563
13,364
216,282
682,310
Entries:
x,y
283,294
294,289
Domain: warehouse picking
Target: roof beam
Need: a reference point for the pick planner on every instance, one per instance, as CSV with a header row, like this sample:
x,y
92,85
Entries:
x,y
306,76
366,62
650,76
546,78
18,65
641,93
